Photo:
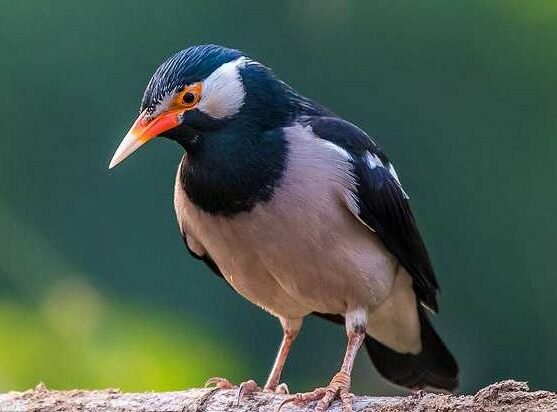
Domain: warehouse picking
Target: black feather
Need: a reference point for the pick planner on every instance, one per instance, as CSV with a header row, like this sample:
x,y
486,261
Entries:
x,y
383,206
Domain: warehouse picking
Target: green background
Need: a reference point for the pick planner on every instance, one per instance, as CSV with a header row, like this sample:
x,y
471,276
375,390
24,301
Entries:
x,y
96,287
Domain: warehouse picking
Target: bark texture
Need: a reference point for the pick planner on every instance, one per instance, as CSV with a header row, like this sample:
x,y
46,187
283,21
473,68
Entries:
x,y
503,396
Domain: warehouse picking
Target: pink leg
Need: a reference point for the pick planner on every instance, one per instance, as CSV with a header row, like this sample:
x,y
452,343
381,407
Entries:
x,y
291,328
273,382
340,384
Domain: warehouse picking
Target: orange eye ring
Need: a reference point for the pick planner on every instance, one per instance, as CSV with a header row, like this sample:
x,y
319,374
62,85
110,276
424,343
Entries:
x,y
189,97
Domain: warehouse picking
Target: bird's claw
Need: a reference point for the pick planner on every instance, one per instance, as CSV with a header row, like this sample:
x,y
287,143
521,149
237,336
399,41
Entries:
x,y
303,398
339,387
281,389
247,388
219,383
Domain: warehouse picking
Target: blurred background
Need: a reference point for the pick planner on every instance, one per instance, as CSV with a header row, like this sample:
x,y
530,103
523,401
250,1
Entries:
x,y
96,288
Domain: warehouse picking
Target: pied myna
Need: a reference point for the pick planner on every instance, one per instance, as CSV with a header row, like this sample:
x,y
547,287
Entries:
x,y
299,211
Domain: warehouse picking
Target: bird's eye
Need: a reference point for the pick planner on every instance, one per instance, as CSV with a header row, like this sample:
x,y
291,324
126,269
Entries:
x,y
188,98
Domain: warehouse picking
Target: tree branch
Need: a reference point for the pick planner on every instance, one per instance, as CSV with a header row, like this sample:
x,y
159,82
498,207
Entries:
x,y
503,396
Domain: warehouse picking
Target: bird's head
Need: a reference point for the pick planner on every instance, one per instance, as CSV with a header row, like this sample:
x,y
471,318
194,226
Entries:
x,y
204,89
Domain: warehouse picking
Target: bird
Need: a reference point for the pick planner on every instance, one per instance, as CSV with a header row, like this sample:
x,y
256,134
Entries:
x,y
300,212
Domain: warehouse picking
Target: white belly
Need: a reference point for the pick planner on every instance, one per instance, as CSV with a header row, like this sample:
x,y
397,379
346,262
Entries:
x,y
302,251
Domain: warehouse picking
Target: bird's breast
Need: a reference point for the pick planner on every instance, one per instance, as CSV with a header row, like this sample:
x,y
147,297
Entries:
x,y
302,250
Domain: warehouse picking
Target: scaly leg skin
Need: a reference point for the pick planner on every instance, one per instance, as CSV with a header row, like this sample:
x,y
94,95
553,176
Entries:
x,y
340,384
291,327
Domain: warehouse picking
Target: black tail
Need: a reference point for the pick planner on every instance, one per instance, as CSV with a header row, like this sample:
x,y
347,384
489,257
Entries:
x,y
433,367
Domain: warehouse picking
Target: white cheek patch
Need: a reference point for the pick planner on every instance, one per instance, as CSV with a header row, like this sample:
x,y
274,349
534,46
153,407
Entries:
x,y
223,92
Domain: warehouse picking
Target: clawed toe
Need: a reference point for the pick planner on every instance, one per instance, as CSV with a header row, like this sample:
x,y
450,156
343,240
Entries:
x,y
338,388
304,398
247,388
219,383
281,389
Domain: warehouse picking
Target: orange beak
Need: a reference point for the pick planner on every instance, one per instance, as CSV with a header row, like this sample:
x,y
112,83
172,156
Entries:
x,y
144,129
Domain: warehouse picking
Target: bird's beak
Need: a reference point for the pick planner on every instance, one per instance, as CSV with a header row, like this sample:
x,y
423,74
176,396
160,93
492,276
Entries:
x,y
145,128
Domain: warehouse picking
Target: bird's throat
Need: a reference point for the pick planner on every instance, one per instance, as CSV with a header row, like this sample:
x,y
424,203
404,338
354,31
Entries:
x,y
227,173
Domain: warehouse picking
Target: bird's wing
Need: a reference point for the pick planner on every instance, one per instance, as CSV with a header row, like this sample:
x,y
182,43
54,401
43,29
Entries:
x,y
380,203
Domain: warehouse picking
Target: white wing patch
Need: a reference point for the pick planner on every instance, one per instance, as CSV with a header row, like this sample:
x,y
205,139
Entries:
x,y
223,92
373,161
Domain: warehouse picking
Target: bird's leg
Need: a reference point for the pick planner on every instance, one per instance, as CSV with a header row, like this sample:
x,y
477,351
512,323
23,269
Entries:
x,y
340,383
291,328
273,381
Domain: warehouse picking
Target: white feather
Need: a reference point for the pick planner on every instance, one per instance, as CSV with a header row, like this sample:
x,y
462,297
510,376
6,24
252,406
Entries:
x,y
355,319
373,161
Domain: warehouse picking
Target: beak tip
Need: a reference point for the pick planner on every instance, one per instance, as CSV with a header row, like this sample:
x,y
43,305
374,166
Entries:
x,y
128,145
115,161
141,132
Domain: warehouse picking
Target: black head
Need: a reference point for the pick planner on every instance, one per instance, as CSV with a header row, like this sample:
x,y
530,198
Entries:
x,y
186,67
206,88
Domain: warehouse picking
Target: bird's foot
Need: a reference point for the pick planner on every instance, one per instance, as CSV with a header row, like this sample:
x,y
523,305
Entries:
x,y
246,388
219,383
339,387
281,389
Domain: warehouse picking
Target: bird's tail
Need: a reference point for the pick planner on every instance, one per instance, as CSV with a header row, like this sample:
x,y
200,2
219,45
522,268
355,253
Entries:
x,y
433,367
